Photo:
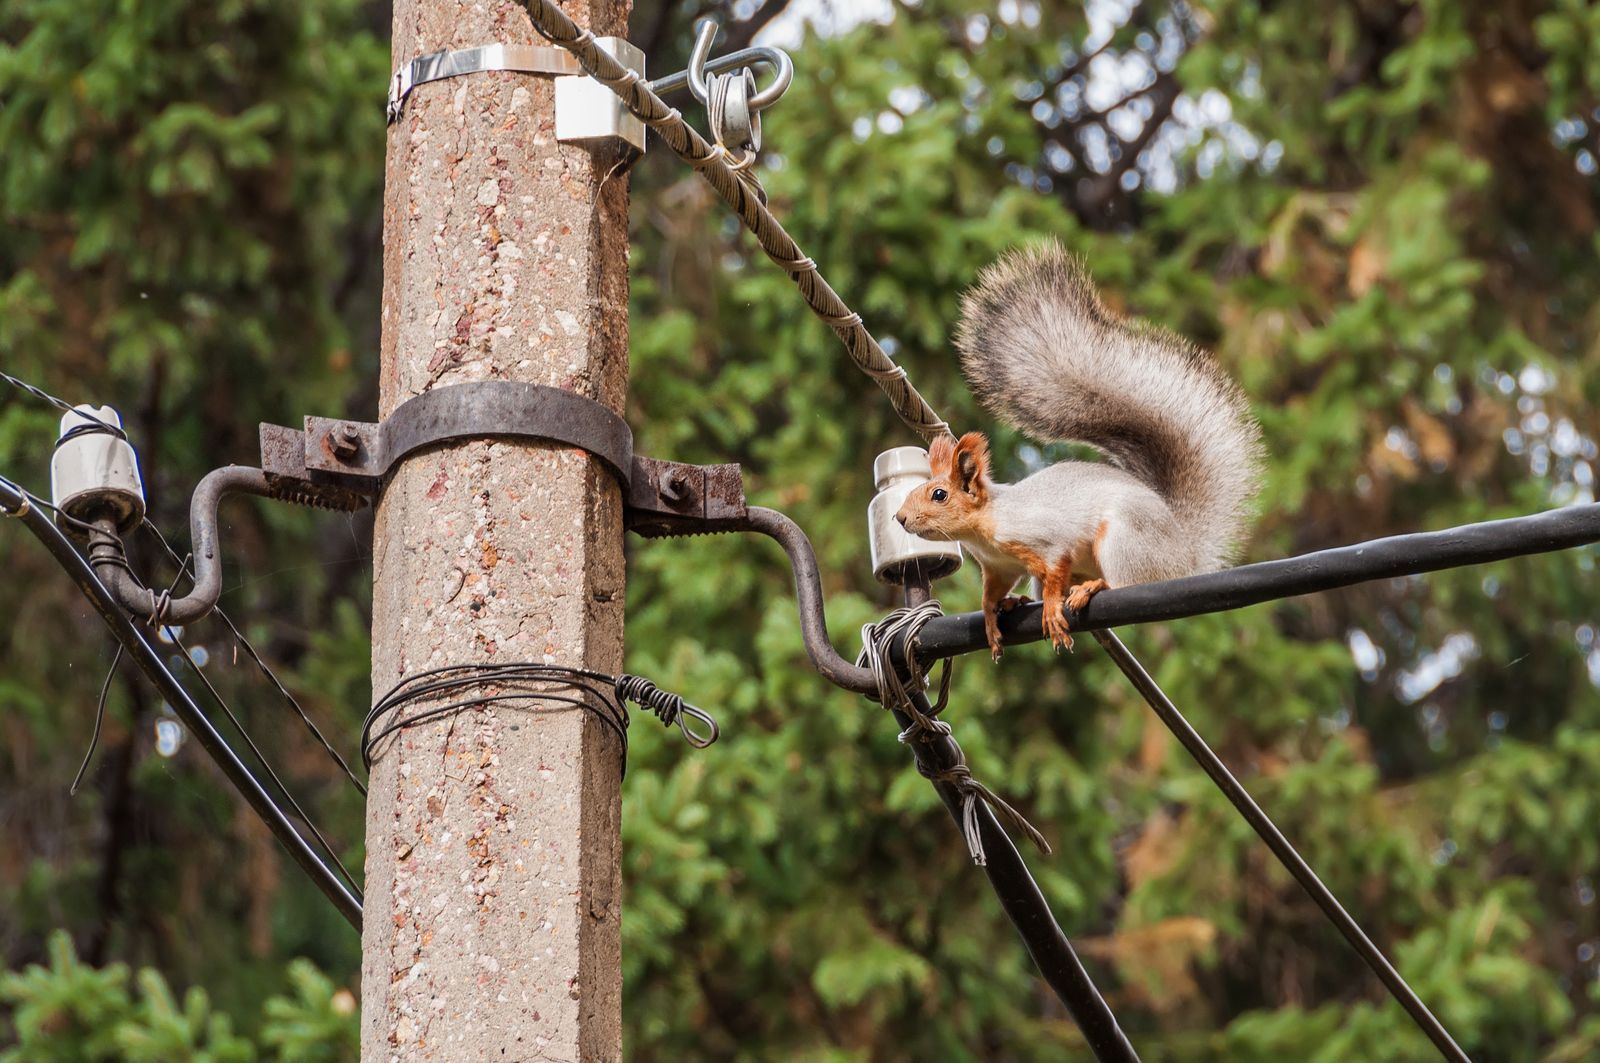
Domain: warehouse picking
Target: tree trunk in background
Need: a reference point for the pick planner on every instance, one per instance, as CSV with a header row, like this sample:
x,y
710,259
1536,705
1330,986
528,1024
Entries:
x,y
493,885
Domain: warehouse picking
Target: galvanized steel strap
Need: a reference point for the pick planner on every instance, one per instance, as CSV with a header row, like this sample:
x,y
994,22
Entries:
x,y
519,58
711,163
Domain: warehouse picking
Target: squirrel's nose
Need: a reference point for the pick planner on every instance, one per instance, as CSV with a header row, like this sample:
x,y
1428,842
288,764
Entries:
x,y
901,517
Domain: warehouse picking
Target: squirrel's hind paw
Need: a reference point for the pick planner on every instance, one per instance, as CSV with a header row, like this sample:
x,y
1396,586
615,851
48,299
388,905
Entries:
x,y
1056,629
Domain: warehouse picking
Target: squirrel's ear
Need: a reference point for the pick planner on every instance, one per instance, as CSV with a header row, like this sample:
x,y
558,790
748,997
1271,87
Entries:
x,y
972,462
942,455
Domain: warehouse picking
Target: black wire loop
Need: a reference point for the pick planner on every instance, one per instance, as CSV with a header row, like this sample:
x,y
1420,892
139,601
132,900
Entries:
x,y
669,708
93,428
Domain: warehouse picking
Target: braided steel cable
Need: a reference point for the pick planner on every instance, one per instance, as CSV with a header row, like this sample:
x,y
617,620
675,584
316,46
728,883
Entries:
x,y
711,162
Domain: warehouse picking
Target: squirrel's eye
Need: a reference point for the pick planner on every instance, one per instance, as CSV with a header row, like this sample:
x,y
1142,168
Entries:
x,y
940,494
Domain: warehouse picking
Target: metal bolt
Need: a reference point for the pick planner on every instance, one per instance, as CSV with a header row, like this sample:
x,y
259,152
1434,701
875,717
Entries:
x,y
675,487
345,441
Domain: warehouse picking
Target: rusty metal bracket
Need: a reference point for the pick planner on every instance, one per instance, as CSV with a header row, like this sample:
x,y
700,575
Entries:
x,y
344,464
671,498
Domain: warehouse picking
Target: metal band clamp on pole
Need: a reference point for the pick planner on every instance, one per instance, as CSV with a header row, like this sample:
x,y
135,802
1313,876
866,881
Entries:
x,y
558,62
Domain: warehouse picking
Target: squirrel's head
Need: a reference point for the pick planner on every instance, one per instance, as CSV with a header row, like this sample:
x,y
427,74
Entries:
x,y
954,504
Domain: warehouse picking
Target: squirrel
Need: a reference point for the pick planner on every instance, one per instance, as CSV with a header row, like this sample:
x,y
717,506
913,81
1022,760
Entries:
x,y
1042,352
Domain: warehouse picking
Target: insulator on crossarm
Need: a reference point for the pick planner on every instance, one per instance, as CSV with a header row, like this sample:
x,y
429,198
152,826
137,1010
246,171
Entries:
x,y
94,472
896,553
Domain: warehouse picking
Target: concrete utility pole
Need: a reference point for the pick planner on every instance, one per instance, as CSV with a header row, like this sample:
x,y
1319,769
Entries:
x,y
493,903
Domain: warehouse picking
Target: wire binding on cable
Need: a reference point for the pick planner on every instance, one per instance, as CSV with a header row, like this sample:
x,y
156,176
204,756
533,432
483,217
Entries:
x,y
898,692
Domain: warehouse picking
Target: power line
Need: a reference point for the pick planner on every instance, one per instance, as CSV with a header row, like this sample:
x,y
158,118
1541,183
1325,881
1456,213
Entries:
x,y
261,758
62,404
16,502
105,688
731,185
172,633
99,718
260,662
1265,581
182,568
1281,847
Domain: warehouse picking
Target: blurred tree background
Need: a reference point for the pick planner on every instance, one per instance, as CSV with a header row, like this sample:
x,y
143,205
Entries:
x,y
1381,215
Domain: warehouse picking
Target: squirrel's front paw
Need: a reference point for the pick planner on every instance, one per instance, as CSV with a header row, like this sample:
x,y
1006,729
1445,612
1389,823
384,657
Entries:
x,y
991,628
1056,629
1079,596
1011,601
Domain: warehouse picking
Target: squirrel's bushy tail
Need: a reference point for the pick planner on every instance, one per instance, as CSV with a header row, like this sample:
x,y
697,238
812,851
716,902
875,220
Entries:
x,y
1042,351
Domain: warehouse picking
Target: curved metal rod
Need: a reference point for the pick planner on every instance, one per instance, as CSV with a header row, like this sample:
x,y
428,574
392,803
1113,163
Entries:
x,y
15,502
694,78
140,600
705,36
808,599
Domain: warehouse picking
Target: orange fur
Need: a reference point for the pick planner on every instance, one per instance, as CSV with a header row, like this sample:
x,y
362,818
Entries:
x,y
1035,563
1054,621
1079,596
1100,537
961,472
995,587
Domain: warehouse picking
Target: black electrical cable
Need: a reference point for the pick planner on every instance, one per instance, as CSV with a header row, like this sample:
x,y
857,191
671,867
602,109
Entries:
x,y
95,425
105,687
266,765
1019,895
261,664
106,548
1280,846
1025,905
1397,555
16,502
99,718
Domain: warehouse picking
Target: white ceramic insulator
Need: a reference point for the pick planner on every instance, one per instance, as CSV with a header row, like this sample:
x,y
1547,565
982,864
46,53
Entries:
x,y
895,551
96,474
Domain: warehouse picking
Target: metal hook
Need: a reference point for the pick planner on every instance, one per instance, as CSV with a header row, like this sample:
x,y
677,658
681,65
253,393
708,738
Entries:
x,y
694,78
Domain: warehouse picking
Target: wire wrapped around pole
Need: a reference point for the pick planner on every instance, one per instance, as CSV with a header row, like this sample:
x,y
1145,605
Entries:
x,y
469,686
711,163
